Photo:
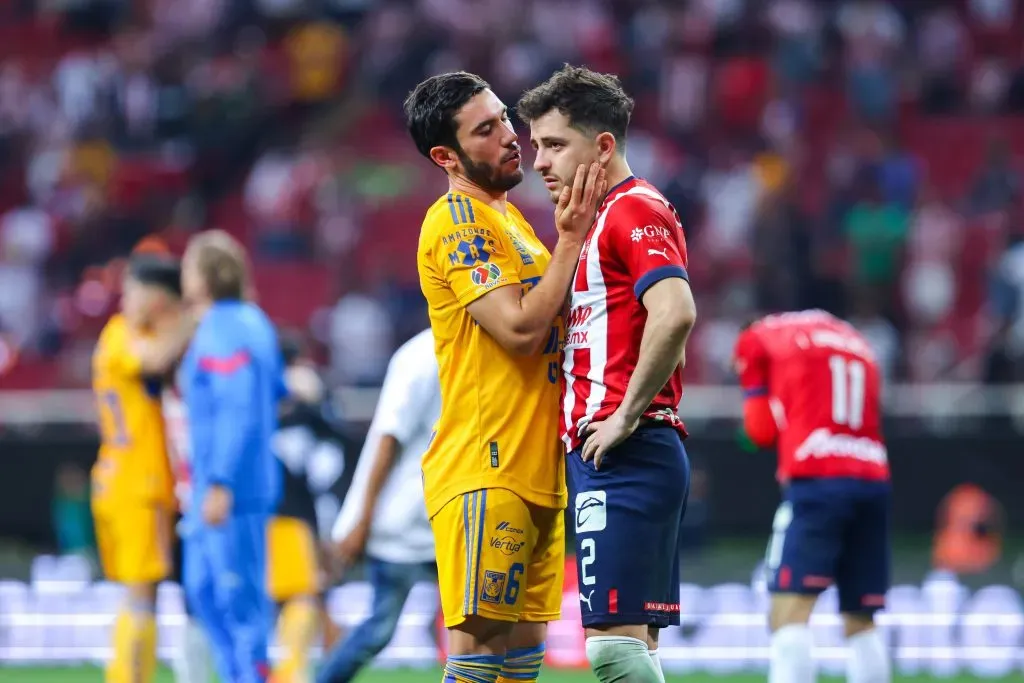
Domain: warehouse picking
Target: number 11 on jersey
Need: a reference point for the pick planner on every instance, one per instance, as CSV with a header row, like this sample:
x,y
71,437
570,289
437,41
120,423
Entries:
x,y
848,395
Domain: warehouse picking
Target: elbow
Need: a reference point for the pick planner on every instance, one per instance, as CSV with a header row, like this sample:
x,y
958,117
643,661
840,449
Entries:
x,y
680,321
525,343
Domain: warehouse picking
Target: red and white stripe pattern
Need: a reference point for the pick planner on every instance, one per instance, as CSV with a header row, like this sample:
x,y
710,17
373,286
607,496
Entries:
x,y
175,414
636,240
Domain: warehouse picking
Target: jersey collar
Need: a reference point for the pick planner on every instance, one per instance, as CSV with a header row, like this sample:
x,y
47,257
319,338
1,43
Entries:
x,y
622,186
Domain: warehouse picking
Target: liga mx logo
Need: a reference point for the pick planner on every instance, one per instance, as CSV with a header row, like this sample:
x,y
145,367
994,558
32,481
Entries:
x,y
484,275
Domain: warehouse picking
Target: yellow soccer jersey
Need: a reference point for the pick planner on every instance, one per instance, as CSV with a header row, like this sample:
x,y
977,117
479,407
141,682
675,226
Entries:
x,y
132,463
499,415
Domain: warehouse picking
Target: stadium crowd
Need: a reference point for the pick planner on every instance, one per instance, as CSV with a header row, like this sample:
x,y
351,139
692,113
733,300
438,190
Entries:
x,y
859,156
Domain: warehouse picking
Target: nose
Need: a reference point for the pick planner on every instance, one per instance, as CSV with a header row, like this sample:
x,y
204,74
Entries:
x,y
510,135
540,162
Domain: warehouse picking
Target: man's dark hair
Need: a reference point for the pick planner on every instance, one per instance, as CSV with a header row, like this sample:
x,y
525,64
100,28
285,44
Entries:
x,y
593,102
430,109
156,270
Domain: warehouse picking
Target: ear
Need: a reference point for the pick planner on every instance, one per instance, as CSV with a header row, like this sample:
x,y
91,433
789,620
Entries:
x,y
606,147
444,157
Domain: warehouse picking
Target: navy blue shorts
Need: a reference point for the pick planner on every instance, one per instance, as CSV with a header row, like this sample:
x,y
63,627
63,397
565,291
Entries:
x,y
832,531
627,518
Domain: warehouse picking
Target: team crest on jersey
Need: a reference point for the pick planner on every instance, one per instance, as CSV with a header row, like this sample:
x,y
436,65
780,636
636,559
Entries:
x,y
494,586
486,275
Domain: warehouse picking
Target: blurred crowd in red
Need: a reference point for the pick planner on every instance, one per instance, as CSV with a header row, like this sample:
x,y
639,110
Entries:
x,y
858,155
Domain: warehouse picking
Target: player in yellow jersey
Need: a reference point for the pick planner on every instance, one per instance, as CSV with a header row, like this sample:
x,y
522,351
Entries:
x,y
132,488
493,475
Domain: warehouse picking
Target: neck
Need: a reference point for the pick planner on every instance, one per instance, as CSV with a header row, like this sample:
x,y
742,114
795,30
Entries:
x,y
495,200
201,307
617,170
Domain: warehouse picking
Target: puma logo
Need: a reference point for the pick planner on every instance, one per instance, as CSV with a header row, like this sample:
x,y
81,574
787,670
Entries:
x,y
587,599
663,252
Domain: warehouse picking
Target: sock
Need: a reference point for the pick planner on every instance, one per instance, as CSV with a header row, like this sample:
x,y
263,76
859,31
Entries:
x,y
192,663
867,659
653,654
620,659
472,668
522,664
296,630
791,658
134,647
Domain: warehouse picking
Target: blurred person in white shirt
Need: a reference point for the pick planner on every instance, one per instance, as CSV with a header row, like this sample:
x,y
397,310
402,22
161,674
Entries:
x,y
384,515
361,335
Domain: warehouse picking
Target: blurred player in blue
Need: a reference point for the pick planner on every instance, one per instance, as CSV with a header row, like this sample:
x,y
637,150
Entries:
x,y
231,380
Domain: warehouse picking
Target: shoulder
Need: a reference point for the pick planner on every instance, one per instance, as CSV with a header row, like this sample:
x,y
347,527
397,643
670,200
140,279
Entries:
x,y
452,213
641,206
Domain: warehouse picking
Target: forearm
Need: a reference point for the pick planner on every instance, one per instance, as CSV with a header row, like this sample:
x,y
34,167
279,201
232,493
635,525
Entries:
x,y
662,350
232,423
542,304
384,460
159,355
758,421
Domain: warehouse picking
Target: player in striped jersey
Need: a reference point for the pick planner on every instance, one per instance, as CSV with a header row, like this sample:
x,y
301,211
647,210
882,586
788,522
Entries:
x,y
631,311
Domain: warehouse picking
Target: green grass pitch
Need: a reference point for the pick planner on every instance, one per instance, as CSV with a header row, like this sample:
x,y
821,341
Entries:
x,y
94,675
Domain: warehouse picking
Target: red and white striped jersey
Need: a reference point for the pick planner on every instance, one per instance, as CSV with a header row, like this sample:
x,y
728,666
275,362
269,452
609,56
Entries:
x,y
637,240
176,427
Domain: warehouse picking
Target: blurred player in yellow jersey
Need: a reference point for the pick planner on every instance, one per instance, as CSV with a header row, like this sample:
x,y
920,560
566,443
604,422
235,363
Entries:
x,y
493,475
132,489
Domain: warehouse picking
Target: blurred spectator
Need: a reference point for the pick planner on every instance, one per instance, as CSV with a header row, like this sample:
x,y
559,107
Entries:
x,y
362,336
942,42
873,33
72,516
317,59
877,231
998,183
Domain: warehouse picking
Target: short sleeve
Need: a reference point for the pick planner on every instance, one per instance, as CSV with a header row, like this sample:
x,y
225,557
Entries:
x,y
650,244
752,364
473,260
408,386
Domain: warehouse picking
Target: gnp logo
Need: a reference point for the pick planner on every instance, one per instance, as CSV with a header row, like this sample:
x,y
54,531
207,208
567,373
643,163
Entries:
x,y
650,232
579,316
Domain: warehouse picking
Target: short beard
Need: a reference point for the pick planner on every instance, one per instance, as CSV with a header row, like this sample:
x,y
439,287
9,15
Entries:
x,y
484,176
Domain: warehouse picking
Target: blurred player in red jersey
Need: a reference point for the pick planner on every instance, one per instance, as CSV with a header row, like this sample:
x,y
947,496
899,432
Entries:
x,y
631,311
812,388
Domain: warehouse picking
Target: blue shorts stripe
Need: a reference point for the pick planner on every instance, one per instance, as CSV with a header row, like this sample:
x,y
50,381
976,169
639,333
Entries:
x,y
469,559
482,497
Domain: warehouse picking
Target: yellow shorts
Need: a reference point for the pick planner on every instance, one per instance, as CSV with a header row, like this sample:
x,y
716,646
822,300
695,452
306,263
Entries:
x,y
292,567
134,542
499,557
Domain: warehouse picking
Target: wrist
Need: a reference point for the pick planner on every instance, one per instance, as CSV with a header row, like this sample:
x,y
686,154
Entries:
x,y
573,244
629,414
